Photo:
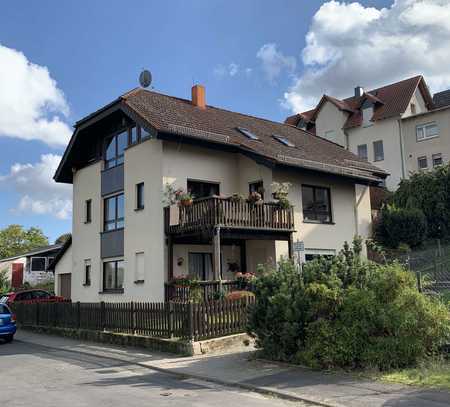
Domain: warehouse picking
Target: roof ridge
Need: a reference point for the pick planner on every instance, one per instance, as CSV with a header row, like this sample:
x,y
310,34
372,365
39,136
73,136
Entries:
x,y
225,110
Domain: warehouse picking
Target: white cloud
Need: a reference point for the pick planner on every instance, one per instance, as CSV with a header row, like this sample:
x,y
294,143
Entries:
x,y
349,45
39,193
231,70
32,107
274,61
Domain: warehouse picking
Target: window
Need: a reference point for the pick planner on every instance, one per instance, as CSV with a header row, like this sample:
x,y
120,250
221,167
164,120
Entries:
x,y
283,140
422,163
367,114
140,196
257,186
144,133
87,272
38,264
378,151
426,131
115,149
316,204
113,273
248,133
413,108
4,310
114,212
437,159
202,189
88,211
133,135
139,271
330,135
362,152
200,266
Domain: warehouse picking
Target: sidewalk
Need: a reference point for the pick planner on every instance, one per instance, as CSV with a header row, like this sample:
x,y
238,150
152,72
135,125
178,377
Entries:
x,y
282,380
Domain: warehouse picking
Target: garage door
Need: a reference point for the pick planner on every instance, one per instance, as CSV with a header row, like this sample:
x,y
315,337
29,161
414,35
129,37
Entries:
x,y
65,282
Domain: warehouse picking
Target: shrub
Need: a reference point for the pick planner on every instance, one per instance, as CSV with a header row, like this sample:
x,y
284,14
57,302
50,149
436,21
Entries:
x,y
399,226
346,312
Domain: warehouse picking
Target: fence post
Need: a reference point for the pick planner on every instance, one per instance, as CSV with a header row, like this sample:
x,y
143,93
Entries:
x,y
132,322
78,315
171,325
190,321
102,315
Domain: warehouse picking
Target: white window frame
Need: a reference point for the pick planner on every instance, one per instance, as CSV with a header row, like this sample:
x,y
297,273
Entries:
x,y
367,114
422,157
138,276
421,128
366,158
374,150
434,156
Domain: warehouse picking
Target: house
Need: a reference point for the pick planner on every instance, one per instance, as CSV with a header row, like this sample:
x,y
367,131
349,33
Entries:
x,y
127,242
398,127
30,267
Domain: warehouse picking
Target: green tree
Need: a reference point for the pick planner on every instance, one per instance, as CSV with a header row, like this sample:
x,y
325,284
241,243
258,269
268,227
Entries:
x,y
15,240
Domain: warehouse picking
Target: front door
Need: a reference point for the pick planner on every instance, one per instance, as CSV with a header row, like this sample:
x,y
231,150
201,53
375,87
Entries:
x,y
200,266
17,275
65,285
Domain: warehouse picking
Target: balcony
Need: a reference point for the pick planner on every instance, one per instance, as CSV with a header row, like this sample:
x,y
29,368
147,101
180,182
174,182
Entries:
x,y
209,213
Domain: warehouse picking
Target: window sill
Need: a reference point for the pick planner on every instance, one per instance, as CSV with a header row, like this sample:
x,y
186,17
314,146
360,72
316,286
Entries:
x,y
139,209
86,285
116,291
111,231
377,161
139,282
87,222
427,138
311,222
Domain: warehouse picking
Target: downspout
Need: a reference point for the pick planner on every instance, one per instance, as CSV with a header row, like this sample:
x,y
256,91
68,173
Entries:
x,y
402,153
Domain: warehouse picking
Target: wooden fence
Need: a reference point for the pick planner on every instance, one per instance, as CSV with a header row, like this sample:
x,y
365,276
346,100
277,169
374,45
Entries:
x,y
206,289
190,321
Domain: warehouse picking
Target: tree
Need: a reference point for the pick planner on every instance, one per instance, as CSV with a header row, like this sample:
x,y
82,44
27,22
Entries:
x,y
63,238
15,240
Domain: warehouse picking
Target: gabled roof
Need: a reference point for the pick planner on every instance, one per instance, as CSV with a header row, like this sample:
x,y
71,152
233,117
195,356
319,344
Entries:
x,y
389,101
60,254
172,117
38,250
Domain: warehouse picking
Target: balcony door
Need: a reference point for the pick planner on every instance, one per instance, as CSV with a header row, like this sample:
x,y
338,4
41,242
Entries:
x,y
200,266
203,189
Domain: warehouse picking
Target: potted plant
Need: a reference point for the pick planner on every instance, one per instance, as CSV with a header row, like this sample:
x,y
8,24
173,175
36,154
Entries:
x,y
254,198
236,198
184,198
280,193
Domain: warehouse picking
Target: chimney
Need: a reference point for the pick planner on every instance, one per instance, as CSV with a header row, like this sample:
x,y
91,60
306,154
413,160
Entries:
x,y
359,91
198,96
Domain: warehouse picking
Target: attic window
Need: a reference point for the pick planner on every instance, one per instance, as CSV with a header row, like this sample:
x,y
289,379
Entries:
x,y
283,140
248,133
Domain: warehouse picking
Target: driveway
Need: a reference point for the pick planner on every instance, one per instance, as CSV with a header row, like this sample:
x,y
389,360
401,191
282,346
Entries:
x,y
33,374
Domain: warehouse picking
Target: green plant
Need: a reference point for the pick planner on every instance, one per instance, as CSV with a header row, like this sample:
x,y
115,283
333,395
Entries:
x,y
399,226
346,312
280,193
237,198
4,281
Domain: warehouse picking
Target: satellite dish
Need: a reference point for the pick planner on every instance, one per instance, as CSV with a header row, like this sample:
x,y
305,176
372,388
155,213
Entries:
x,y
145,78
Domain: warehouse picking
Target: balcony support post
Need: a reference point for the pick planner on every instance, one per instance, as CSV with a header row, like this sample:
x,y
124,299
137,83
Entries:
x,y
170,258
216,254
291,246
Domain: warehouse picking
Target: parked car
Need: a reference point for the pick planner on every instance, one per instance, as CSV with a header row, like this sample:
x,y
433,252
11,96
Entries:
x,y
7,323
30,296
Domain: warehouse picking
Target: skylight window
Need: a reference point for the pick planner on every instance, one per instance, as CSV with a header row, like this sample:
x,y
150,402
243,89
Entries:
x,y
283,140
248,133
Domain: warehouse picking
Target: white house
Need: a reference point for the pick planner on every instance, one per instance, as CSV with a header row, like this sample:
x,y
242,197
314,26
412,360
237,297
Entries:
x,y
127,243
398,127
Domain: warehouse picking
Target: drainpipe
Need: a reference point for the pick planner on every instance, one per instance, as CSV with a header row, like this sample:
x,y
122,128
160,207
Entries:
x,y
402,153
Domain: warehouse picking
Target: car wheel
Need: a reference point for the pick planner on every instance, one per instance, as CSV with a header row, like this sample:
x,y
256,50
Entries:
x,y
9,338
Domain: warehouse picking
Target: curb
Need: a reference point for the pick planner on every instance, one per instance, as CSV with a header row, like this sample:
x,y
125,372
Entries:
x,y
261,390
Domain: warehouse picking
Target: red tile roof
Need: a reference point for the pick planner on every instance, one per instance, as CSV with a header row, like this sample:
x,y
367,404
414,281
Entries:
x,y
174,116
389,101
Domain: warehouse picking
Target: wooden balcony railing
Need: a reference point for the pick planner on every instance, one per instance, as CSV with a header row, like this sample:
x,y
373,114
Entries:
x,y
214,211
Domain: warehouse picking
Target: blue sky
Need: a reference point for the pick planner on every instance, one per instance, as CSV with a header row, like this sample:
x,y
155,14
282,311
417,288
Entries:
x,y
265,58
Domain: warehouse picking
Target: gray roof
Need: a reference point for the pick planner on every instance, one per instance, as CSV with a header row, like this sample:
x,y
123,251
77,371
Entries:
x,y
441,99
38,250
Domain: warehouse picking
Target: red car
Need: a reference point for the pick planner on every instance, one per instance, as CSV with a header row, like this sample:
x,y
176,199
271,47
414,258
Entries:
x,y
30,296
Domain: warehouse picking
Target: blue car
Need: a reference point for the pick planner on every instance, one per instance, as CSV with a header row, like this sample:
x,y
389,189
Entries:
x,y
7,323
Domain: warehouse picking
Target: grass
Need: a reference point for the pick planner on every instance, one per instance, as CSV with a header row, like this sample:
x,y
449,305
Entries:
x,y
435,374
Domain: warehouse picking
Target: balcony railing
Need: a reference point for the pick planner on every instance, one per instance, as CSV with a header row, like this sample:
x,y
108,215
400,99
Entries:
x,y
214,211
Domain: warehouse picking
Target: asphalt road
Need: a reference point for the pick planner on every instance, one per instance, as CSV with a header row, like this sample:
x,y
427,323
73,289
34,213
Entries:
x,y
33,375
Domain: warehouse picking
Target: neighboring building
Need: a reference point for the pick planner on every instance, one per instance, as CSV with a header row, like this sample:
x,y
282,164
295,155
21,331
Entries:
x,y
126,244
398,127
30,267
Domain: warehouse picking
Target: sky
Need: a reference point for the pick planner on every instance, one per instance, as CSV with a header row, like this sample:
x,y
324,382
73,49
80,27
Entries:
x,y
60,61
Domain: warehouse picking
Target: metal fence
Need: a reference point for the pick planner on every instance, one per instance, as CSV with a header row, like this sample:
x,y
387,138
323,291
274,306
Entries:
x,y
192,321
